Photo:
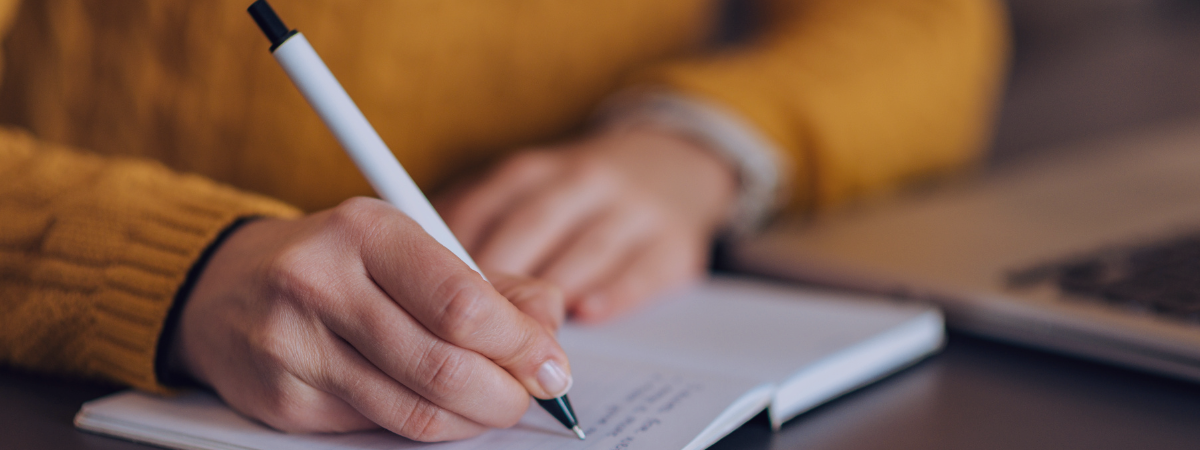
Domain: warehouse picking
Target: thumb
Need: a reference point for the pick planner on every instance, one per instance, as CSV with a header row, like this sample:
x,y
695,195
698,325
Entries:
x,y
541,300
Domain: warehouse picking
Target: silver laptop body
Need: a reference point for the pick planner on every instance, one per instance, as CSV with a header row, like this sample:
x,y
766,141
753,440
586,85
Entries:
x,y
966,246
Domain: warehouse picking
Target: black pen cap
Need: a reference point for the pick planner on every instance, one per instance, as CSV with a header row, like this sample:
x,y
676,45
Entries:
x,y
270,23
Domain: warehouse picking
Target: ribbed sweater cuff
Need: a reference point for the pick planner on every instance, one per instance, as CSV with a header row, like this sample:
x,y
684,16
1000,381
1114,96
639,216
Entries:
x,y
161,238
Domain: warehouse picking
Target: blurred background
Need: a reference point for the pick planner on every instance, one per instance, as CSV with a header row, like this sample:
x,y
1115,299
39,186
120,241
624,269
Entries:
x,y
1083,68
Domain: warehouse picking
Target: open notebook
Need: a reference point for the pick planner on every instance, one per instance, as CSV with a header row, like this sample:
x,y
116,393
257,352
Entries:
x,y
681,374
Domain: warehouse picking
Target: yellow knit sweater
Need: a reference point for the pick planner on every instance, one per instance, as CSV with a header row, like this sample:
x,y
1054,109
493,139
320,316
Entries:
x,y
98,225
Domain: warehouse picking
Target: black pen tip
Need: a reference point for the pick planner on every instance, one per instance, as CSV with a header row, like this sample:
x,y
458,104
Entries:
x,y
561,409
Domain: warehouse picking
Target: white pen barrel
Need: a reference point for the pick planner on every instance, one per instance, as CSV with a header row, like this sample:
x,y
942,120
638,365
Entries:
x,y
318,85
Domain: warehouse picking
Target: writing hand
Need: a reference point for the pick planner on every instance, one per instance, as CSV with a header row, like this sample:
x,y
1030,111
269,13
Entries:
x,y
355,318
611,219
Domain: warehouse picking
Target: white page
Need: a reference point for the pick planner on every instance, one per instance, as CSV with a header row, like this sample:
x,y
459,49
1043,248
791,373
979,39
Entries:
x,y
751,329
620,404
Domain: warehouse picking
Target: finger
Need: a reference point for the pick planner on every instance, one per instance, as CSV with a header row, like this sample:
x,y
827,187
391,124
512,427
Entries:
x,y
472,211
539,299
665,264
292,405
453,302
378,397
458,380
523,238
596,251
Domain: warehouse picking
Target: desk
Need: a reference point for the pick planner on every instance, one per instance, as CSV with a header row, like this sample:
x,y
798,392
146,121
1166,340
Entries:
x,y
976,394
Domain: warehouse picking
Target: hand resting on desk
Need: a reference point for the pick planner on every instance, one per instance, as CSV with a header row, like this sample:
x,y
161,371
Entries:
x,y
613,219
355,318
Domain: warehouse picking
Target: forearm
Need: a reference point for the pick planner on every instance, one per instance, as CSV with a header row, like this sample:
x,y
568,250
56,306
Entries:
x,y
92,253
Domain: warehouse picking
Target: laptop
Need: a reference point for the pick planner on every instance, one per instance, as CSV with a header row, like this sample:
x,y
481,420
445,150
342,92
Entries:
x,y
1091,250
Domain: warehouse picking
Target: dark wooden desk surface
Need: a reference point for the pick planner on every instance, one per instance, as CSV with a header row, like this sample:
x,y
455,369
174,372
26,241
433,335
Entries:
x,y
976,394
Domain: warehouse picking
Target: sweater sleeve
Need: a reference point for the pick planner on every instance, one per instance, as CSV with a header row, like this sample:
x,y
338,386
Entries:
x,y
92,252
859,96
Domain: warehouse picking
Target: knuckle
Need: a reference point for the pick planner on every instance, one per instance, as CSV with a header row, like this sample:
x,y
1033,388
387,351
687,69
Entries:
x,y
524,165
523,346
424,422
285,410
465,306
537,293
357,205
360,215
292,275
284,341
531,160
278,345
531,341
271,343
444,371
539,290
533,215
594,171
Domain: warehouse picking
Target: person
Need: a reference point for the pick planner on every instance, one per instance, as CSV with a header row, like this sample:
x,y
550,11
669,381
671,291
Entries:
x,y
173,212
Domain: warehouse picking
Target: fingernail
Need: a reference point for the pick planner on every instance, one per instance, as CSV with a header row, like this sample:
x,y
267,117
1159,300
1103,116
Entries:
x,y
553,379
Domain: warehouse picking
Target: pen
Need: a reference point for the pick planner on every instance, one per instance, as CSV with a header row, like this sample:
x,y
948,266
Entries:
x,y
372,156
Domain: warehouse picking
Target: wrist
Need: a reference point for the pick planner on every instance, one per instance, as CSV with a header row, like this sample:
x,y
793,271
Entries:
x,y
169,366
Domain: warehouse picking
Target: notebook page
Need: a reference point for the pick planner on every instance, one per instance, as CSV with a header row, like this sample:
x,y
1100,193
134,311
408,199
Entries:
x,y
754,329
621,405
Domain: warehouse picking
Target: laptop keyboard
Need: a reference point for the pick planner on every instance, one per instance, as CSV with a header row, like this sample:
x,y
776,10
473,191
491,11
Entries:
x,y
1161,277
